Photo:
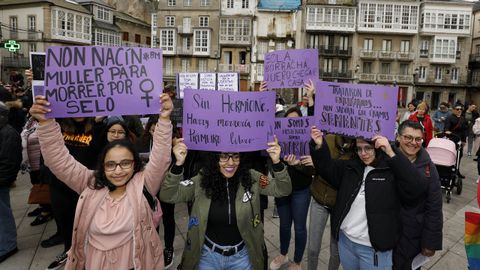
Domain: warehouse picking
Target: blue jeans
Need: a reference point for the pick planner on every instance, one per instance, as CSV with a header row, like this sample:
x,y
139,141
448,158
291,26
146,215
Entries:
x,y
8,230
354,256
212,260
318,220
294,208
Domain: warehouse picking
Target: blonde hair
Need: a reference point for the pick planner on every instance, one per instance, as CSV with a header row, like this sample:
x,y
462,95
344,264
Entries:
x,y
422,106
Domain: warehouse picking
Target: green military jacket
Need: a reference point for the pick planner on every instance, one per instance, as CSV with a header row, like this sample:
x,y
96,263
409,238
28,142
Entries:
x,y
175,189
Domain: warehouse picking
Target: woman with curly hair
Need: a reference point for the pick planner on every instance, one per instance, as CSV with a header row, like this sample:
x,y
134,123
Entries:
x,y
224,230
113,227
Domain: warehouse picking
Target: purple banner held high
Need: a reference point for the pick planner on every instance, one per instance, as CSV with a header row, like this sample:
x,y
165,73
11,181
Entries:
x,y
293,134
226,121
83,81
357,110
290,68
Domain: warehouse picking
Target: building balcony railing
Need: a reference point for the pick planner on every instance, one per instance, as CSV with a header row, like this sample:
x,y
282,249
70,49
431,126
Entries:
x,y
185,30
424,53
16,62
474,58
184,51
134,44
368,54
367,77
386,55
344,51
443,58
336,74
386,78
402,79
235,40
405,56
340,26
242,69
23,35
327,50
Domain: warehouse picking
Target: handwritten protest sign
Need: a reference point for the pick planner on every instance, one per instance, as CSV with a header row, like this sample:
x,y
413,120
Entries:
x,y
37,62
186,81
227,121
290,68
227,81
92,80
208,81
358,110
293,134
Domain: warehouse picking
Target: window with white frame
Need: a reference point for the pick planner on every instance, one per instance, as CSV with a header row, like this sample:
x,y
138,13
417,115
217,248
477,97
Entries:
x,y
103,14
405,46
445,47
386,67
245,3
368,44
260,69
454,75
279,46
229,3
235,29
314,41
167,40
343,44
70,18
170,21
422,73
104,37
186,44
32,23
343,17
387,45
78,25
202,41
171,3
327,65
446,19
168,65
204,3
388,16
185,65
71,26
438,73
342,65
187,24
154,19
13,23
203,21
202,65
187,3
262,49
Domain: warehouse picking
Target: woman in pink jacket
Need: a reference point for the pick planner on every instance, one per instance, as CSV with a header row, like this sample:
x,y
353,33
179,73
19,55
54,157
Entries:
x,y
113,226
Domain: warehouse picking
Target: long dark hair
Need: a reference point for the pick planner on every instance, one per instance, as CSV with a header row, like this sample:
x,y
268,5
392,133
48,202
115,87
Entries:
x,y
101,180
213,182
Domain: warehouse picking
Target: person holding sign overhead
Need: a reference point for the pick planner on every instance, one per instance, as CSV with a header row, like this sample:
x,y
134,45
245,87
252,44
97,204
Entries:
x,y
225,229
371,188
113,227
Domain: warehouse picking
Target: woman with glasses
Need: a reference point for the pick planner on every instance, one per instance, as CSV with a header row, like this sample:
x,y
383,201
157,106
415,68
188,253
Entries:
x,y
421,116
370,189
113,227
225,230
118,130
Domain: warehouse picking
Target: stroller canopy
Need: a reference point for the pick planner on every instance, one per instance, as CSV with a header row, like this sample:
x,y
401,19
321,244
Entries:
x,y
442,151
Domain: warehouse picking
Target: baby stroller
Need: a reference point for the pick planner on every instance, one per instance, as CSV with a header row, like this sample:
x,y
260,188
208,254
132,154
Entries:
x,y
444,151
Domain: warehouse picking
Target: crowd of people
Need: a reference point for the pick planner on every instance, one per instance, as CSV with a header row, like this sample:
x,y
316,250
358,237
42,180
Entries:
x,y
111,178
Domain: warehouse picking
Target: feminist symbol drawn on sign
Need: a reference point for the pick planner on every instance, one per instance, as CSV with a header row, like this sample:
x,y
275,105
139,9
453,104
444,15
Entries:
x,y
147,97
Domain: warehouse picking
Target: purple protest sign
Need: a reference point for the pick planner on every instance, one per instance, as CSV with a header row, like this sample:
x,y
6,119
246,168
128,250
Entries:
x,y
358,110
293,134
82,81
290,68
226,121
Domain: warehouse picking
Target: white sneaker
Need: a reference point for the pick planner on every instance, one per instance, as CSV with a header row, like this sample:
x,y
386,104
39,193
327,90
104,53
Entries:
x,y
278,262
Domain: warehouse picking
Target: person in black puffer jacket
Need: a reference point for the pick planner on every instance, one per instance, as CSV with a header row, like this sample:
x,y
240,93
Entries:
x,y
371,188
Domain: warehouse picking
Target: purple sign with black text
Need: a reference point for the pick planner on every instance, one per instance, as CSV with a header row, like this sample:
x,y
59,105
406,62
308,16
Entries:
x,y
227,121
356,110
290,68
82,81
293,134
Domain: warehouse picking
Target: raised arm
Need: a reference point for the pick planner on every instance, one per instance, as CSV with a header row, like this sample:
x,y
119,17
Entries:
x,y
55,154
160,157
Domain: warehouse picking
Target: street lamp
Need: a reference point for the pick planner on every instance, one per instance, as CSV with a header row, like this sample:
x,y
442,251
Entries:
x,y
415,77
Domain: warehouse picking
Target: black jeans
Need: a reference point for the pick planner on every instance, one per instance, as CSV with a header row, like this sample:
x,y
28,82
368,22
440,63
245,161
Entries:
x,y
168,218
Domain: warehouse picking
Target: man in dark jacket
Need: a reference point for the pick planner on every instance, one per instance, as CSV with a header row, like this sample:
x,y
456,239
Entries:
x,y
10,159
422,223
457,125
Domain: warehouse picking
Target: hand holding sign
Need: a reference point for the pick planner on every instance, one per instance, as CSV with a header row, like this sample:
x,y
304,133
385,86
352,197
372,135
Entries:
x,y
274,150
383,143
306,161
317,135
291,160
166,107
39,109
180,151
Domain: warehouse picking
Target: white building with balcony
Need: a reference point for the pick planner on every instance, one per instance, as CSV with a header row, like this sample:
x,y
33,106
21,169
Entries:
x,y
445,38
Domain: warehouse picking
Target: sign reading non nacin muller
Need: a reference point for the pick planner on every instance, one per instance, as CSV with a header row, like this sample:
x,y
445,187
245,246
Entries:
x,y
82,81
290,68
227,121
357,110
